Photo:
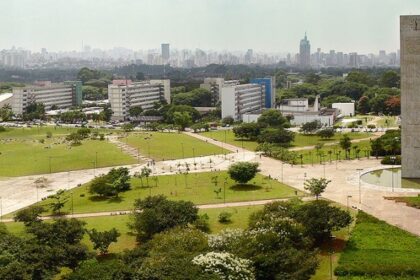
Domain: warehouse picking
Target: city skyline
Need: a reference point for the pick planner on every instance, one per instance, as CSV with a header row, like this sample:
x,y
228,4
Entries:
x,y
270,26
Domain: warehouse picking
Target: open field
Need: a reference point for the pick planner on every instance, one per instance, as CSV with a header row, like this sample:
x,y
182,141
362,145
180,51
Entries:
x,y
195,187
377,249
301,140
166,146
127,240
39,132
20,157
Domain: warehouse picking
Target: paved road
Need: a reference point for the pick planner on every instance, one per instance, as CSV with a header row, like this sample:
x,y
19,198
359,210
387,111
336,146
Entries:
x,y
201,206
344,186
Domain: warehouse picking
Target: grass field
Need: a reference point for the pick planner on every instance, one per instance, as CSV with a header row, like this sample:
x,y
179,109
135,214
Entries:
x,y
377,249
166,146
301,140
195,187
127,240
39,132
26,157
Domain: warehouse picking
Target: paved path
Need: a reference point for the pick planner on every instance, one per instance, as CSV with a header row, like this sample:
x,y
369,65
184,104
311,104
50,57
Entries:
x,y
344,176
201,206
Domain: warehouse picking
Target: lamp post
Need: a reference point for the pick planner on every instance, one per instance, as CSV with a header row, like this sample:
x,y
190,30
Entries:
x,y
392,173
360,186
348,210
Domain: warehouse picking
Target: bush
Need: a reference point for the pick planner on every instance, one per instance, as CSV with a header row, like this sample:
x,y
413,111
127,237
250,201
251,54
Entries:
x,y
388,161
2,128
225,217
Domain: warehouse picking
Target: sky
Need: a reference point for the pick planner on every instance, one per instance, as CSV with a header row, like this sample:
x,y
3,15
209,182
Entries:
x,y
365,26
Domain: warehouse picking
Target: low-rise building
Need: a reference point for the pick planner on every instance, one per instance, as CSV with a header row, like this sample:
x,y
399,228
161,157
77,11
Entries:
x,y
345,109
62,95
326,117
145,94
293,105
242,99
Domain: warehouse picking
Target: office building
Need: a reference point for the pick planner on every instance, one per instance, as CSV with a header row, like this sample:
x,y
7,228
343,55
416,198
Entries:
x,y
143,94
165,53
305,53
270,90
214,85
410,96
63,95
238,100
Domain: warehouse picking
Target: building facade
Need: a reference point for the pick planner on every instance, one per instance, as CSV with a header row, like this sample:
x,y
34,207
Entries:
x,y
270,90
345,109
140,94
63,96
214,85
242,99
410,96
165,53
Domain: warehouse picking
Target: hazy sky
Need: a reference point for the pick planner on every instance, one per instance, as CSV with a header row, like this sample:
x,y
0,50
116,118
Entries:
x,y
263,25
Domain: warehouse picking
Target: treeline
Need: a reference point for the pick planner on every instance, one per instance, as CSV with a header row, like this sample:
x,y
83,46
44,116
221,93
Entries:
x,y
376,92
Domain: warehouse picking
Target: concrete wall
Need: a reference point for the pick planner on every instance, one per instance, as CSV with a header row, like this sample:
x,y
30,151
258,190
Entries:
x,y
410,95
228,102
346,109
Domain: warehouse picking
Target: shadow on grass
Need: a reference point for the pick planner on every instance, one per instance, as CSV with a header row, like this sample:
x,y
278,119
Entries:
x,y
113,199
245,187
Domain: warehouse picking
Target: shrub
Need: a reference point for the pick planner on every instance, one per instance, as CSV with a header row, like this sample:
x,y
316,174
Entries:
x,y
2,128
242,172
225,217
388,161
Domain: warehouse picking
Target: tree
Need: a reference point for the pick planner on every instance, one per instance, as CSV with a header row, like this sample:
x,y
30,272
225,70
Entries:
x,y
168,112
390,79
170,256
145,173
58,201
102,240
140,76
312,78
326,133
29,215
247,131
393,105
155,214
278,136
135,111
111,184
109,269
310,127
320,219
182,119
272,118
316,186
228,120
242,172
360,77
6,113
345,144
363,105
127,127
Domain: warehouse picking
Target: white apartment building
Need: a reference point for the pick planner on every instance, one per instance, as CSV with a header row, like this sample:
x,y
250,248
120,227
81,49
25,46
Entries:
x,y
345,109
143,94
214,85
63,95
242,99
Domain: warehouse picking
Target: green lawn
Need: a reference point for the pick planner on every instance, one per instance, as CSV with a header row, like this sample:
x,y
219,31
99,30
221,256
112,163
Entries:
x,y
301,140
330,152
199,189
20,157
166,146
127,240
39,132
377,249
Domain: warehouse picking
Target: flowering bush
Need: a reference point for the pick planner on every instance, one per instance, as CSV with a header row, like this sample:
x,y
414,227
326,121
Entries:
x,y
225,239
227,266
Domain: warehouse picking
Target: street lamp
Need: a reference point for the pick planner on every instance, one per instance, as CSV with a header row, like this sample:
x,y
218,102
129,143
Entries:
x,y
392,172
360,187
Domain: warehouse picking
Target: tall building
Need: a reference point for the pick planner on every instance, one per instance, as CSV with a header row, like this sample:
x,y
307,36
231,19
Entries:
x,y
215,85
242,99
165,53
410,96
353,60
305,53
249,56
63,95
144,94
270,89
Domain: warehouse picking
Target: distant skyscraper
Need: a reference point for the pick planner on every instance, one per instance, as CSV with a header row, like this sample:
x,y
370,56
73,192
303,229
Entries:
x,y
305,53
165,53
248,56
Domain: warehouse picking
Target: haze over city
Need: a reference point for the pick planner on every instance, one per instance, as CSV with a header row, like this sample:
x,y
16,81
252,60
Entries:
x,y
265,26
